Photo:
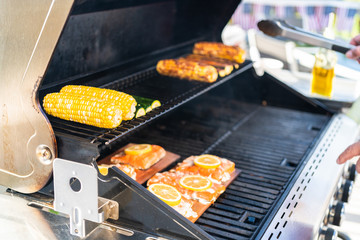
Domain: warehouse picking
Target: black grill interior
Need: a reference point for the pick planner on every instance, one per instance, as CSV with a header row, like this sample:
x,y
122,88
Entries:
x,y
266,143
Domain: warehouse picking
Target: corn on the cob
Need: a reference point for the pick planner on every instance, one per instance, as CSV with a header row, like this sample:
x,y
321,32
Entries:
x,y
185,69
83,109
125,101
220,50
222,68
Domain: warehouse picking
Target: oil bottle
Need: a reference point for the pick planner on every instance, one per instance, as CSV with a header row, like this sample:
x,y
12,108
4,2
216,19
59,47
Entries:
x,y
323,71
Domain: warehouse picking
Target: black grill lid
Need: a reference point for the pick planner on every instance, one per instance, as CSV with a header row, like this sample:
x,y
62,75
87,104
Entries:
x,y
103,34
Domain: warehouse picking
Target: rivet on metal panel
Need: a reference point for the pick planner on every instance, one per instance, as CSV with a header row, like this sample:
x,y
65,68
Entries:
x,y
44,154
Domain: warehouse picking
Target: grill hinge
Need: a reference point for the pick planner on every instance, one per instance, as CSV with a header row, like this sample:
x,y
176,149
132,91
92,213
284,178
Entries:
x,y
76,195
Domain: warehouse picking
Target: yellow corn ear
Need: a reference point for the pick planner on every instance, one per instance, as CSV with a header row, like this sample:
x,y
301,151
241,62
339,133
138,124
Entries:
x,y
83,109
219,50
182,68
125,101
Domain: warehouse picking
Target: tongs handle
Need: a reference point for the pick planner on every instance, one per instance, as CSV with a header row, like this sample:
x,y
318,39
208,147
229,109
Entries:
x,y
335,45
340,49
278,27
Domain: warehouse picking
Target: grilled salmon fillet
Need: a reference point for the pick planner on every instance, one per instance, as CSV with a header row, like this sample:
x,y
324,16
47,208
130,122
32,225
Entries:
x,y
185,208
172,178
220,174
126,168
140,161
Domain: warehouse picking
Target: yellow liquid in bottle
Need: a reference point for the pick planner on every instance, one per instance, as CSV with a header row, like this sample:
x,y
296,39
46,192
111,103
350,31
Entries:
x,y
322,82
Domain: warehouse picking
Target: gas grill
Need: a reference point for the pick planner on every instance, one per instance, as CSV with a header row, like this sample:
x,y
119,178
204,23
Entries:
x,y
284,143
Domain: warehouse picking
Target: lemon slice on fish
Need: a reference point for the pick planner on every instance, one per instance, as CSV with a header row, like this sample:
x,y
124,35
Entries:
x,y
138,149
167,193
207,161
104,169
195,182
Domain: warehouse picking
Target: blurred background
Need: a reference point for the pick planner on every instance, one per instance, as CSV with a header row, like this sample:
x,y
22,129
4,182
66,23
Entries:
x,y
309,15
290,61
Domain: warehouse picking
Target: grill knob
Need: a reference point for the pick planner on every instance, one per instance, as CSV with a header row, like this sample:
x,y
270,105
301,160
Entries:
x,y
336,213
345,191
328,234
352,173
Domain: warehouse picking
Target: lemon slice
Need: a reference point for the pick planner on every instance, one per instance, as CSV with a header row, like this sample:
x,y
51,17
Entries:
x,y
195,182
138,149
167,193
104,169
207,161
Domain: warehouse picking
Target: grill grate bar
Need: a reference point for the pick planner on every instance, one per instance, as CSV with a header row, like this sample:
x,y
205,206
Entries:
x,y
260,200
219,234
226,227
258,153
227,220
272,170
262,184
259,189
263,174
228,214
246,206
246,200
230,208
237,190
259,178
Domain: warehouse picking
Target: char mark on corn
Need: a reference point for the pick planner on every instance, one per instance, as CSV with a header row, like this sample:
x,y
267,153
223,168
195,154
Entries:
x,y
219,50
185,69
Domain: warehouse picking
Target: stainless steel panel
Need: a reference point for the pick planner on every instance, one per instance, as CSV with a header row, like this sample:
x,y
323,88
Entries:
x,y
29,31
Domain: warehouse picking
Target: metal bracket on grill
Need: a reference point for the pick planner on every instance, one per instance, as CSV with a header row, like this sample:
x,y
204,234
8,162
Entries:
x,y
76,194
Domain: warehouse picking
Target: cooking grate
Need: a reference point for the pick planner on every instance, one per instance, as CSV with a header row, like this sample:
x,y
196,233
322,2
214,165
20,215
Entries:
x,y
171,92
266,143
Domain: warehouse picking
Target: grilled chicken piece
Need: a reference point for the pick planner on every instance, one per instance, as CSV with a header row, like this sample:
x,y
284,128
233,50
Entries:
x,y
219,50
185,69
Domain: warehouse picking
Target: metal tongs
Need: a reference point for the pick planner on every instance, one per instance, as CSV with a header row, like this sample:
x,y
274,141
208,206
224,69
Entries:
x,y
281,28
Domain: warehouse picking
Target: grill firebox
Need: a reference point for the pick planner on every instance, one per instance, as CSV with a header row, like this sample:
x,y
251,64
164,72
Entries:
x,y
267,143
